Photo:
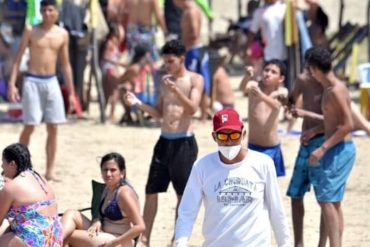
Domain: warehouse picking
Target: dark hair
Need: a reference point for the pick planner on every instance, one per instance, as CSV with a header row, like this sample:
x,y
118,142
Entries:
x,y
116,157
173,47
20,154
319,58
322,19
252,6
45,3
278,63
139,53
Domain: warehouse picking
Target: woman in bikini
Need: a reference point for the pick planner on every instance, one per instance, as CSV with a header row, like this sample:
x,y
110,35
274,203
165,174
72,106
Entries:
x,y
119,220
28,203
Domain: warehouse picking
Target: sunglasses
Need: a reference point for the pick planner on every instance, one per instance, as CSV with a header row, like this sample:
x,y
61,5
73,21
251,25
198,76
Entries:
x,y
225,136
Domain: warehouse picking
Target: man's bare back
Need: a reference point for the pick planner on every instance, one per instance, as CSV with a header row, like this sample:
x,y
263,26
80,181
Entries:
x,y
141,12
44,46
174,116
191,23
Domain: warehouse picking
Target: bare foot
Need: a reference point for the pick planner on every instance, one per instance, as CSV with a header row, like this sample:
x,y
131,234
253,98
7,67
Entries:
x,y
52,178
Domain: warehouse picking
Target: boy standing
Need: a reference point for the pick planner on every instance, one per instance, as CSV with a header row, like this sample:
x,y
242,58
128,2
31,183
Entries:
x,y
263,111
337,153
41,96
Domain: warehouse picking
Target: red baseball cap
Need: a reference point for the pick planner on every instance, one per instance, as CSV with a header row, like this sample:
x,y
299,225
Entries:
x,y
227,119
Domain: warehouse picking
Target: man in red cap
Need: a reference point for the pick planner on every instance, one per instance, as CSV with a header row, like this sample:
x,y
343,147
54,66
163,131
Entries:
x,y
239,189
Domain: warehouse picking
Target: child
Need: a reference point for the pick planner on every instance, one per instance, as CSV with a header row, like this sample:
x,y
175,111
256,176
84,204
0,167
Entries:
x,y
263,110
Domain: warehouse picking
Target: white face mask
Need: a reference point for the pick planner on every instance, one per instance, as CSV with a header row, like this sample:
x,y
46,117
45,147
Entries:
x,y
229,152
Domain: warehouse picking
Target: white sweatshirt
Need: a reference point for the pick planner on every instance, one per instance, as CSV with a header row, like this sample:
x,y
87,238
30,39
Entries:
x,y
240,200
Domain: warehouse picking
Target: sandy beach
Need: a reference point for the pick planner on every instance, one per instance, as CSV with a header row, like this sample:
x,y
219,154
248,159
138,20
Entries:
x,y
81,144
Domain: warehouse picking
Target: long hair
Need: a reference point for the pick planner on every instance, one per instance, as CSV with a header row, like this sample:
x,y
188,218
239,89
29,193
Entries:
x,y
20,154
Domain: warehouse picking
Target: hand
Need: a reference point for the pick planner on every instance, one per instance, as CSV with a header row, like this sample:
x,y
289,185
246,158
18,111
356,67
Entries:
x,y
249,71
132,100
296,112
170,82
13,94
306,136
72,103
254,90
94,229
316,156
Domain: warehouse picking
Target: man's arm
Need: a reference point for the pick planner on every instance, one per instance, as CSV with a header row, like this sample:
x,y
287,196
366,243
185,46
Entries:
x,y
132,100
67,69
12,90
273,101
159,16
189,208
6,200
275,207
192,18
191,102
249,72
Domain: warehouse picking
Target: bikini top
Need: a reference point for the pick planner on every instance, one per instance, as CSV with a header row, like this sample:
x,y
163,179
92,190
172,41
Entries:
x,y
112,211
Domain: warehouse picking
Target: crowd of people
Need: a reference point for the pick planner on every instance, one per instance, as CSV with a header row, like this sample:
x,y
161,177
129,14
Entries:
x,y
237,183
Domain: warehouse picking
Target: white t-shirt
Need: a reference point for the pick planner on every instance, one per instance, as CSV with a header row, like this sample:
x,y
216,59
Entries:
x,y
240,200
270,20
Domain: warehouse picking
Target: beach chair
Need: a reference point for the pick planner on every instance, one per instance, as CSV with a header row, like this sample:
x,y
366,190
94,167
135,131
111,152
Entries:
x,y
364,76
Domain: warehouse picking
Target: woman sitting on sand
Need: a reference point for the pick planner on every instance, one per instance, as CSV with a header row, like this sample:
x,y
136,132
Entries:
x,y
120,220
28,202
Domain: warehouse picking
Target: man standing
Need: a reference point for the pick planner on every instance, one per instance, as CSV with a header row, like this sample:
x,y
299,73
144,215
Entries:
x,y
337,153
300,182
41,96
176,149
197,58
239,189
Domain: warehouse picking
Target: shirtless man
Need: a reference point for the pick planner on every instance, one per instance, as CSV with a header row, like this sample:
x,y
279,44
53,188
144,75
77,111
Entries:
x,y
197,59
263,111
41,95
337,153
176,150
141,28
311,94
222,89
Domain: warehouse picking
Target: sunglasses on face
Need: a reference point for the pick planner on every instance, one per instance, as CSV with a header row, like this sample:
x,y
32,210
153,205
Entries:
x,y
225,136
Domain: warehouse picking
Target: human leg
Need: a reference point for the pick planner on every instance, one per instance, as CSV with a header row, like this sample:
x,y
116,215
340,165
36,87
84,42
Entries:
x,y
297,217
51,148
10,240
26,134
333,222
150,211
323,232
73,220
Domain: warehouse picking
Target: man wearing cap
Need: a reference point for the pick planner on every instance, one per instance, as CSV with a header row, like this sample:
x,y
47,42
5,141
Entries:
x,y
239,189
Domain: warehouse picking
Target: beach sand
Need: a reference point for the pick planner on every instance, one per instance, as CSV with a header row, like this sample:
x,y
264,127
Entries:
x,y
82,143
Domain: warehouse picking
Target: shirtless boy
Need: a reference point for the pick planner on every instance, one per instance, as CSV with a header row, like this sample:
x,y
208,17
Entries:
x,y
263,111
41,95
337,153
141,26
197,59
176,150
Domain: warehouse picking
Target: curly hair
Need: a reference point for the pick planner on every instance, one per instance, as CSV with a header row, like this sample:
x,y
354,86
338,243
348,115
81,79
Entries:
x,y
174,47
20,154
319,57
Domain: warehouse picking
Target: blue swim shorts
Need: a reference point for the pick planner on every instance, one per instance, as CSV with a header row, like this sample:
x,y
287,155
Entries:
x,y
336,165
276,155
300,182
197,60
